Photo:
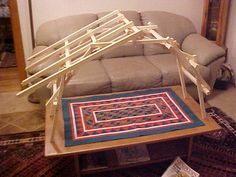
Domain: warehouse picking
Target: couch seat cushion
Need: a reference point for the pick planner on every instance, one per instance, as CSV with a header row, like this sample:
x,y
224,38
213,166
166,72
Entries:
x,y
131,73
90,78
168,67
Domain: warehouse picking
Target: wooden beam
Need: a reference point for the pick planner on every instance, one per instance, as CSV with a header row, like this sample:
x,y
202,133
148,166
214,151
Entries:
x,y
99,35
181,76
85,28
84,36
194,80
200,95
72,55
77,64
98,41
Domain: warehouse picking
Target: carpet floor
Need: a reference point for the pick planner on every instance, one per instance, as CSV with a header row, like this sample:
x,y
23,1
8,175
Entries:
x,y
214,155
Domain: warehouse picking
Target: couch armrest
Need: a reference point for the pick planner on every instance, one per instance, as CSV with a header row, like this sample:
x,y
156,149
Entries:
x,y
41,66
205,50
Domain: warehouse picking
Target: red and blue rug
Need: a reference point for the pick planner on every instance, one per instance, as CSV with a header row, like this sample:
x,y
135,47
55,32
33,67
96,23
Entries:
x,y
124,115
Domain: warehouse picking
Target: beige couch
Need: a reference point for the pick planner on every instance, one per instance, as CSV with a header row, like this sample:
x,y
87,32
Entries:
x,y
132,67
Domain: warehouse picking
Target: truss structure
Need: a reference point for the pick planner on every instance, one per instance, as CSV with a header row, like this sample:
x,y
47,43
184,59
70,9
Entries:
x,y
92,41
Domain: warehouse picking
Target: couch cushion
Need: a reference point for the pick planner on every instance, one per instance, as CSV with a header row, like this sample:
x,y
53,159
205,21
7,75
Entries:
x,y
43,65
90,78
54,30
168,67
131,73
131,50
172,25
206,51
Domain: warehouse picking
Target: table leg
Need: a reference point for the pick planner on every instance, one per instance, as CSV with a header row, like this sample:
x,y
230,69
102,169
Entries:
x,y
190,148
77,165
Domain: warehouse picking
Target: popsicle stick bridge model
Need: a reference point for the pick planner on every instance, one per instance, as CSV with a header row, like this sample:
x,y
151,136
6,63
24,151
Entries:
x,y
95,39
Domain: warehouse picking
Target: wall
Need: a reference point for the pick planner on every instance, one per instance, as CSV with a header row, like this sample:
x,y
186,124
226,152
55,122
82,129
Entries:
x,y
231,36
44,10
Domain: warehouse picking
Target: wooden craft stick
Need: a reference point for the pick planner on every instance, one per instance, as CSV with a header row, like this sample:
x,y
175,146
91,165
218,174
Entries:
x,y
100,35
67,53
147,27
74,54
87,52
97,38
53,66
77,63
200,96
138,41
93,38
50,105
58,100
114,32
194,80
181,76
85,28
156,35
194,66
91,32
119,37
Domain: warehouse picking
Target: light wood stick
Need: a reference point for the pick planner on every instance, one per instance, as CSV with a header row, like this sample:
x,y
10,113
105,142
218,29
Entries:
x,y
91,32
74,54
185,56
139,41
58,99
85,28
77,64
147,27
114,32
156,35
54,95
100,35
50,105
87,52
200,96
189,57
67,53
194,66
93,38
119,37
181,76
194,80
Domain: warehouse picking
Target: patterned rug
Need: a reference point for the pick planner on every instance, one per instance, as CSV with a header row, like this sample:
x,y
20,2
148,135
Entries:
x,y
214,155
124,115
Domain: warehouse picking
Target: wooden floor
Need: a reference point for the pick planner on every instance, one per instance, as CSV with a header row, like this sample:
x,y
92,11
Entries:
x,y
17,115
9,80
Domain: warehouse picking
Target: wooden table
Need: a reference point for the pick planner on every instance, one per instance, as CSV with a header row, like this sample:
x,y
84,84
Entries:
x,y
57,148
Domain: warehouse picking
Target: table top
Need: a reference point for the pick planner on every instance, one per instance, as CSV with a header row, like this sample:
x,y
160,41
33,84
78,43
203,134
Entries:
x,y
57,148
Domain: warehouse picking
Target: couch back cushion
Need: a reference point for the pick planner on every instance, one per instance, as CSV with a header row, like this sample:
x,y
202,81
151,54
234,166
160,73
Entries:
x,y
125,51
52,31
172,25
